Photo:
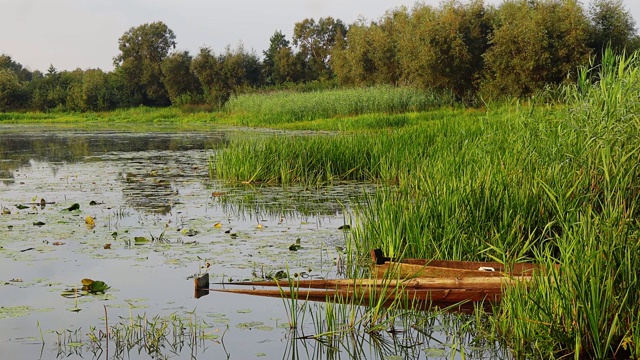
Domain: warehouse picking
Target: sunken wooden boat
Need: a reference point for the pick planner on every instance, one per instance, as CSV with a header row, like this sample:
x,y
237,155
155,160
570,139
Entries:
x,y
414,282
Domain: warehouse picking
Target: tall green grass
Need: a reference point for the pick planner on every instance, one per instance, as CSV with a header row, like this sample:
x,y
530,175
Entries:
x,y
556,185
311,160
137,115
286,107
588,308
382,151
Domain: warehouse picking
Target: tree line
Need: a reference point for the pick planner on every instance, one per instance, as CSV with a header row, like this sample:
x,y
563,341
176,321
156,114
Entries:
x,y
469,49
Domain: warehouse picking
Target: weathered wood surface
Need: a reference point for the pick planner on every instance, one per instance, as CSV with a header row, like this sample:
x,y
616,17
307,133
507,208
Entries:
x,y
414,281
395,270
389,295
202,281
447,268
476,283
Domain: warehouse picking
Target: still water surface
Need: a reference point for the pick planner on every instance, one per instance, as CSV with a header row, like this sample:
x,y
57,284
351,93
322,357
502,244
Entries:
x,y
156,185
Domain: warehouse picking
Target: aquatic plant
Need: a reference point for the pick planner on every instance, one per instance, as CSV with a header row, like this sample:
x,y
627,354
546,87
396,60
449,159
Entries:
x,y
157,336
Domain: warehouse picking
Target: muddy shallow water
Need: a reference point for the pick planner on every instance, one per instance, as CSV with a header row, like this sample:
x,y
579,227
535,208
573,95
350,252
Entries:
x,y
155,210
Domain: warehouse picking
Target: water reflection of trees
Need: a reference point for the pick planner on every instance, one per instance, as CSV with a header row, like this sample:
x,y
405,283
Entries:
x,y
150,180
18,149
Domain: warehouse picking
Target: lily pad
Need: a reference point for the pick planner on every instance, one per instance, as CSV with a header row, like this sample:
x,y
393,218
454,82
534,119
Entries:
x,y
257,325
98,287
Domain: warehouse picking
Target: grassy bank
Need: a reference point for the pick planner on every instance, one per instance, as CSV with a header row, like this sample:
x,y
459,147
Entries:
x,y
286,109
545,184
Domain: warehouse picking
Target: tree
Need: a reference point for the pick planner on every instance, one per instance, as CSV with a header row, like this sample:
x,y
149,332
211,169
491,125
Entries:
x,y
6,62
369,54
208,69
181,83
226,74
279,65
49,91
142,50
611,25
441,48
91,92
534,43
12,91
315,41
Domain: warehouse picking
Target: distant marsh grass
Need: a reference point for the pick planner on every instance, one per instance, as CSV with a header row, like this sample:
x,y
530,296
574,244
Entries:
x,y
135,115
287,107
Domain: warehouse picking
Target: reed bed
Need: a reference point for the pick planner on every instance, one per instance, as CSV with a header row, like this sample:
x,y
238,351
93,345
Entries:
x,y
589,307
552,187
528,182
385,156
286,106
137,115
311,160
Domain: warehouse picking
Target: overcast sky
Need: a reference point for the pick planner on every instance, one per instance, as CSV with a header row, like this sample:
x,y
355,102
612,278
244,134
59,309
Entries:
x,y
84,34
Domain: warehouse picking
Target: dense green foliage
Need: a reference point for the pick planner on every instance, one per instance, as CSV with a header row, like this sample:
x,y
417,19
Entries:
x,y
475,51
142,51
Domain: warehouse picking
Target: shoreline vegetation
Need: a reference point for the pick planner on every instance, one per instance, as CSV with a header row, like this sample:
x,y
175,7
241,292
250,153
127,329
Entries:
x,y
466,51
551,182
491,132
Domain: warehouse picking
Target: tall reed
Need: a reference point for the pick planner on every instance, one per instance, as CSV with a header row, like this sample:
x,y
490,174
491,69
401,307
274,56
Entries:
x,y
588,308
286,106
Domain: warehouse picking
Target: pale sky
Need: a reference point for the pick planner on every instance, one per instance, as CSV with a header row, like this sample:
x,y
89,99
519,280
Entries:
x,y
84,34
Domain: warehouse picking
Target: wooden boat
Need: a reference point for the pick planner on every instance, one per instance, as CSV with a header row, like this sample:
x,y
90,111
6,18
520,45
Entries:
x,y
385,267
422,298
418,282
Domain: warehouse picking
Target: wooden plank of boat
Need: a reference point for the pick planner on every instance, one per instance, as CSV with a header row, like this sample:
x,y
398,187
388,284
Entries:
x,y
445,296
446,268
470,283
394,270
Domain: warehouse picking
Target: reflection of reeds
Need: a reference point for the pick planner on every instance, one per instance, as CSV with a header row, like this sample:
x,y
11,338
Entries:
x,y
342,329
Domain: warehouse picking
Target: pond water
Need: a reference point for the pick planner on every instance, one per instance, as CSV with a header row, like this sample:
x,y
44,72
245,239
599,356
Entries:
x,y
148,218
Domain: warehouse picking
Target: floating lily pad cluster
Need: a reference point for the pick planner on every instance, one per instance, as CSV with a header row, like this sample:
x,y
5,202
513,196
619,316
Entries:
x,y
89,286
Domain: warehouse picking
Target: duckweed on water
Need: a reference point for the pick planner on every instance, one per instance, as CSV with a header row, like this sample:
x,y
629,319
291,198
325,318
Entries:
x,y
19,311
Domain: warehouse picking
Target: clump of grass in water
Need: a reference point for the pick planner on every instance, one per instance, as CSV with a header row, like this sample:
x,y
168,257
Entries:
x,y
287,107
157,336
294,308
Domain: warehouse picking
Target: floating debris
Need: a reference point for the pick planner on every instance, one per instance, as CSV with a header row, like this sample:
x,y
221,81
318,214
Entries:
x,y
73,207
